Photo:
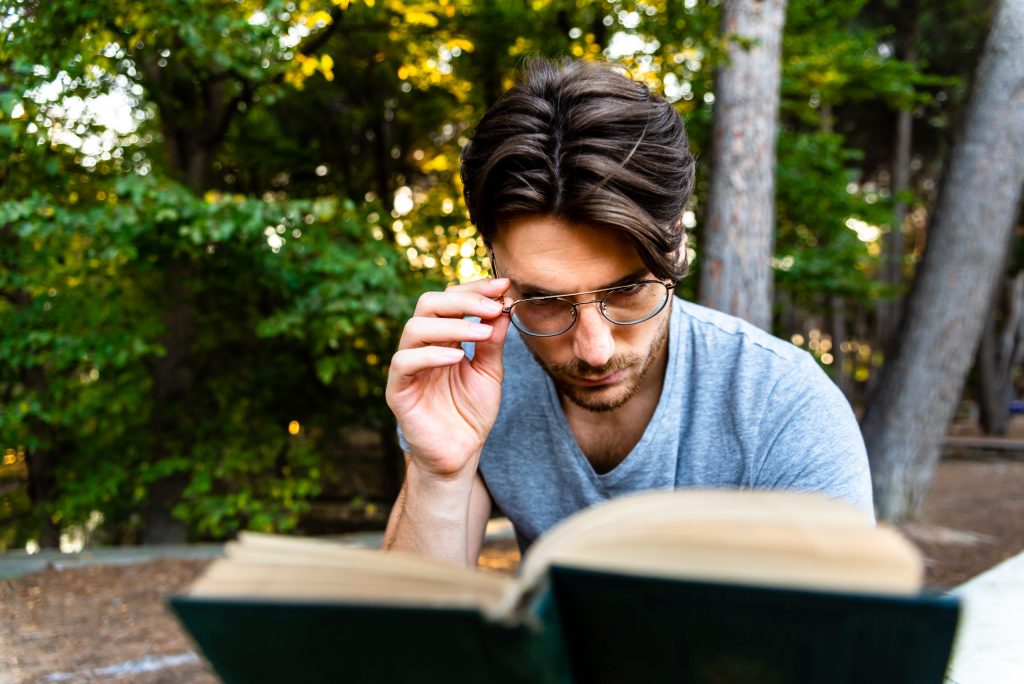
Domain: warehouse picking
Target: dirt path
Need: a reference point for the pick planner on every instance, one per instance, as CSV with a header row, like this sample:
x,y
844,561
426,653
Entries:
x,y
974,518
109,623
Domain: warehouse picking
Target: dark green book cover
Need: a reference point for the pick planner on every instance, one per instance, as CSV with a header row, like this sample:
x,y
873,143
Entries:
x,y
621,628
585,626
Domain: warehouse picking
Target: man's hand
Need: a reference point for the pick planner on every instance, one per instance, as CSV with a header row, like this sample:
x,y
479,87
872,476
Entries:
x,y
445,403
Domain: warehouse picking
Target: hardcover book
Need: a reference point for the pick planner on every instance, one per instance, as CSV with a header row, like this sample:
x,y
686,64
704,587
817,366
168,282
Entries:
x,y
713,587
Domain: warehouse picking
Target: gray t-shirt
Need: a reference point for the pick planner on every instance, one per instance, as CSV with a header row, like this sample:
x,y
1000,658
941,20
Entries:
x,y
738,408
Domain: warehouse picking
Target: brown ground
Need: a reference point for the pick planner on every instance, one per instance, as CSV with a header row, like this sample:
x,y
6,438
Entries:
x,y
83,619
973,519
76,621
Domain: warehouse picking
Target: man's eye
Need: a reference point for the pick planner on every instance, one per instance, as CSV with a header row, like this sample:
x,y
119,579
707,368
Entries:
x,y
629,289
551,302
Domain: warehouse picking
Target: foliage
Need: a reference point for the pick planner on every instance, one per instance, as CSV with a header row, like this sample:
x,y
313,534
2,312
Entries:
x,y
252,229
294,328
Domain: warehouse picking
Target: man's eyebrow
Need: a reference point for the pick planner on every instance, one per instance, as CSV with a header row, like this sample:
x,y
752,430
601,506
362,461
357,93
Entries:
x,y
533,290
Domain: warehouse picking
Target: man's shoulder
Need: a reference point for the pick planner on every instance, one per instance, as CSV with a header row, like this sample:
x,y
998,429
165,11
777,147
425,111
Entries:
x,y
728,337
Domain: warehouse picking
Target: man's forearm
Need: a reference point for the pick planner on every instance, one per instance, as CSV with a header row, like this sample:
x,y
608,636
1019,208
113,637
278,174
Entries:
x,y
431,516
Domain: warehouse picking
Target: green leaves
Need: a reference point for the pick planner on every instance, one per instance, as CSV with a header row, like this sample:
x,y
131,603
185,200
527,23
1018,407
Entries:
x,y
297,313
254,197
818,192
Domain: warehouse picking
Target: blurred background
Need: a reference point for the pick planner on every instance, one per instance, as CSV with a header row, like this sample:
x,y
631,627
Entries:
x,y
215,217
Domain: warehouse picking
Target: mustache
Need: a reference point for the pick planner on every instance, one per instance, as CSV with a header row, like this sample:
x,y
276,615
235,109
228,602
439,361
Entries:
x,y
581,369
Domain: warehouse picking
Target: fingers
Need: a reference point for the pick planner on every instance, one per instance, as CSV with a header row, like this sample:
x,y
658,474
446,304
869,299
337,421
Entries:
x,y
431,338
490,287
421,332
406,363
439,316
472,299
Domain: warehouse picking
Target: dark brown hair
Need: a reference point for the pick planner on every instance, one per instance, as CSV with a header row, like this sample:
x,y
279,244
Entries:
x,y
586,144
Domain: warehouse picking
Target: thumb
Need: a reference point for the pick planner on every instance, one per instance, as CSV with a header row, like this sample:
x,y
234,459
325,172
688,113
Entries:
x,y
487,356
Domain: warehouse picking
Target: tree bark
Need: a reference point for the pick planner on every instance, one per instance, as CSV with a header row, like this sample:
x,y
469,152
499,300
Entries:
x,y
173,379
836,302
892,262
969,229
992,410
736,275
42,460
998,354
837,323
196,111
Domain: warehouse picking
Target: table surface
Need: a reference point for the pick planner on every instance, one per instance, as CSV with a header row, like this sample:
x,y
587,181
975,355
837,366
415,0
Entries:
x,y
989,645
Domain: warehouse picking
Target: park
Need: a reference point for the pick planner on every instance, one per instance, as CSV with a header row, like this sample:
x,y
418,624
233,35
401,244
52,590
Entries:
x,y
216,219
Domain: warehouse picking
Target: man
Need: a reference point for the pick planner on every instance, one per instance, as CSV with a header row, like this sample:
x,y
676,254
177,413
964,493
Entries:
x,y
607,384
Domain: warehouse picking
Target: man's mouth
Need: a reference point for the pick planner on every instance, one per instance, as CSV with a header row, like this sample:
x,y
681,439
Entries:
x,y
609,379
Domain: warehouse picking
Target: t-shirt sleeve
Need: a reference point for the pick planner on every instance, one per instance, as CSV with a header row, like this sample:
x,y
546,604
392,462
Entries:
x,y
811,439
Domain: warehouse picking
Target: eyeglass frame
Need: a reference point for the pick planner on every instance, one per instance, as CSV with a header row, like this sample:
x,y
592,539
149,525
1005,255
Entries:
x,y
507,310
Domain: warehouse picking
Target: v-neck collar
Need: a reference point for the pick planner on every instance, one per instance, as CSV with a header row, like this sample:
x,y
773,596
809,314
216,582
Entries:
x,y
639,455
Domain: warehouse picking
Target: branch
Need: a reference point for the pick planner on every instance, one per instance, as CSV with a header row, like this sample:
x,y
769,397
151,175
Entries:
x,y
317,41
228,112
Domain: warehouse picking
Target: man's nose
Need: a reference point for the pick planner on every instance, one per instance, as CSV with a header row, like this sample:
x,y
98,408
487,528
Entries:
x,y
592,336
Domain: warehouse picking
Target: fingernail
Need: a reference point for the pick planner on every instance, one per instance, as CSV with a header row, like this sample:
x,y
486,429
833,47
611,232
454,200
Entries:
x,y
453,353
482,329
491,306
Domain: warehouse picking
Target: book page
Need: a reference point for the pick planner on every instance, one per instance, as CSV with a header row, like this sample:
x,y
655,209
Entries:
x,y
277,567
786,539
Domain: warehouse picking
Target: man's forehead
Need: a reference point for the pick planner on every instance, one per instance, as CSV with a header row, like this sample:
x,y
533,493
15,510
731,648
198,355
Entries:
x,y
566,283
546,254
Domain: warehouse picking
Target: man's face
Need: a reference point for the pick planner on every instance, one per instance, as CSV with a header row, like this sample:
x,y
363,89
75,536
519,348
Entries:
x,y
596,364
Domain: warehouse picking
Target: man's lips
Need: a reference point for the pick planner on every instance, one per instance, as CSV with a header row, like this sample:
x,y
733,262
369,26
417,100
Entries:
x,y
599,382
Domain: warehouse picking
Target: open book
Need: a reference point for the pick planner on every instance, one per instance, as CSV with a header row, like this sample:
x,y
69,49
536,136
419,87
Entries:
x,y
686,586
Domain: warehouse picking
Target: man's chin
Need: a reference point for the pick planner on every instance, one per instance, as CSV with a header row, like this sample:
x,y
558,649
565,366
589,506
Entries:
x,y
598,399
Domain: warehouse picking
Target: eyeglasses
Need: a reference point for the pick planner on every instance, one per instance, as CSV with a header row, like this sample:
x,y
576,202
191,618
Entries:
x,y
553,315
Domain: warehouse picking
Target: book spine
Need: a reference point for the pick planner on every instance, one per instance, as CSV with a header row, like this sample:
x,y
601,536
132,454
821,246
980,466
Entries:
x,y
529,648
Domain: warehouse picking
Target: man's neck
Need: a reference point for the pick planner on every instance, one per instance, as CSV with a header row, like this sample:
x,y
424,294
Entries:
x,y
607,437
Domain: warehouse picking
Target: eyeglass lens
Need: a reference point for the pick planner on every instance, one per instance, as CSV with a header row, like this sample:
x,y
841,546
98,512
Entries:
x,y
625,306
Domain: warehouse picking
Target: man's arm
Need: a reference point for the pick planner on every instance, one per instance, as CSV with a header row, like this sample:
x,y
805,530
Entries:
x,y
445,405
439,521
479,513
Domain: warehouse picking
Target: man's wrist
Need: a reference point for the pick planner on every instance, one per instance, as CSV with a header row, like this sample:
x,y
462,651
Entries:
x,y
445,494
444,478
435,512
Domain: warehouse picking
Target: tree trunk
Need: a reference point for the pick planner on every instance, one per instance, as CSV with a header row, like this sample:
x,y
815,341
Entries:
x,y
190,143
998,354
837,323
969,229
41,460
836,302
892,261
159,525
172,382
736,275
992,409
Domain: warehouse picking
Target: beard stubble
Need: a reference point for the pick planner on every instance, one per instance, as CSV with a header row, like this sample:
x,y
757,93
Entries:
x,y
587,397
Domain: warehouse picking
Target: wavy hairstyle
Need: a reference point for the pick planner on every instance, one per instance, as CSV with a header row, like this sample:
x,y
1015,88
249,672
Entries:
x,y
582,142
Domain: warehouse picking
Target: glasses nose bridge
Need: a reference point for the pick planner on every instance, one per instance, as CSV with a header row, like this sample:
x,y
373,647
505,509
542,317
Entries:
x,y
600,308
599,302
